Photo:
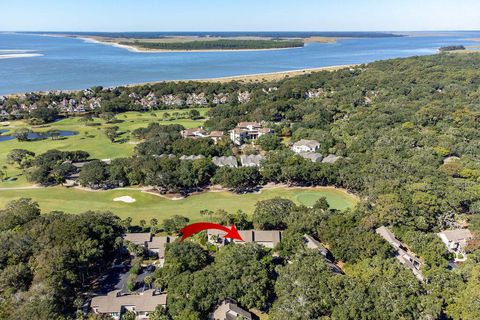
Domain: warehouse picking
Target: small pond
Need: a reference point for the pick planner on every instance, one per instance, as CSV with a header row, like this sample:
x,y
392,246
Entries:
x,y
38,135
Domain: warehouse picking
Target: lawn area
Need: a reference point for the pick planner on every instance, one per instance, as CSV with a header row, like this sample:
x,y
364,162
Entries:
x,y
90,138
149,206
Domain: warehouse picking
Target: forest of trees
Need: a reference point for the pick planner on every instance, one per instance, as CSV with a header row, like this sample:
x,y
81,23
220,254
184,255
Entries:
x,y
452,48
47,260
222,44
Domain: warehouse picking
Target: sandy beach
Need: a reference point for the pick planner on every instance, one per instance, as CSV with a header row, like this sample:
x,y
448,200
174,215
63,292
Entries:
x,y
275,76
272,76
19,55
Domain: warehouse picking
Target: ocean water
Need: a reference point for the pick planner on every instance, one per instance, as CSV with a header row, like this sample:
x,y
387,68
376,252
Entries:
x,y
38,135
56,63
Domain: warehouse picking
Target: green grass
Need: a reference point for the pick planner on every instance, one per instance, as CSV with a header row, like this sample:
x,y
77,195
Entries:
x,y
150,206
90,138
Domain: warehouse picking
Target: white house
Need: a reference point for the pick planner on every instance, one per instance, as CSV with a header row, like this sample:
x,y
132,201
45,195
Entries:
x,y
456,241
305,146
248,131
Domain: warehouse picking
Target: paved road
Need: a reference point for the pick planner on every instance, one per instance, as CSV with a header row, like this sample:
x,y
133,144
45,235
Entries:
x,y
117,279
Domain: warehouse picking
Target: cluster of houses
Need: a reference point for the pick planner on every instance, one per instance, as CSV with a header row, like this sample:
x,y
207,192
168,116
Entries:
x,y
455,240
308,149
245,131
73,106
251,131
195,133
142,304
270,239
190,99
89,102
114,304
242,133
245,161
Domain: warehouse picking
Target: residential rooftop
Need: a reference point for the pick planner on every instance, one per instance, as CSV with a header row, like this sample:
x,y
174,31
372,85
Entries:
x,y
313,144
457,235
229,310
115,302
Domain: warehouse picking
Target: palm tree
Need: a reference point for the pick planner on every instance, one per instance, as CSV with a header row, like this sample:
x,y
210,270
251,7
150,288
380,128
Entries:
x,y
208,213
148,281
3,173
153,225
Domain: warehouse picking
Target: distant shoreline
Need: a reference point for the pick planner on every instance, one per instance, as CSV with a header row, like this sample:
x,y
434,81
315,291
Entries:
x,y
133,48
115,42
267,77
278,75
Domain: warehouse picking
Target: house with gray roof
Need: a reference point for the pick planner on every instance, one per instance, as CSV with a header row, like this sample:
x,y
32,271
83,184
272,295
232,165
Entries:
x,y
389,237
269,239
403,255
170,156
155,245
305,146
313,244
225,161
229,310
331,158
192,158
312,156
251,160
158,245
140,239
114,304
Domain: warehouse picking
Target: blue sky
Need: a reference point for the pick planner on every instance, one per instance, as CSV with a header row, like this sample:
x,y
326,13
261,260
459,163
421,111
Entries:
x,y
238,15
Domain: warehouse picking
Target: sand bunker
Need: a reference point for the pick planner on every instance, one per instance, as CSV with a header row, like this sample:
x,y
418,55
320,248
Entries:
x,y
126,199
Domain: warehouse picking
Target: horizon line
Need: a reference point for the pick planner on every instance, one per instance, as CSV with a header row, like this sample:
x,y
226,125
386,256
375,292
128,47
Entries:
x,y
250,31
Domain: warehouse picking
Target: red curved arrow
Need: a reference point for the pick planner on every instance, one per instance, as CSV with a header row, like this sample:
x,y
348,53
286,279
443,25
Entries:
x,y
193,228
